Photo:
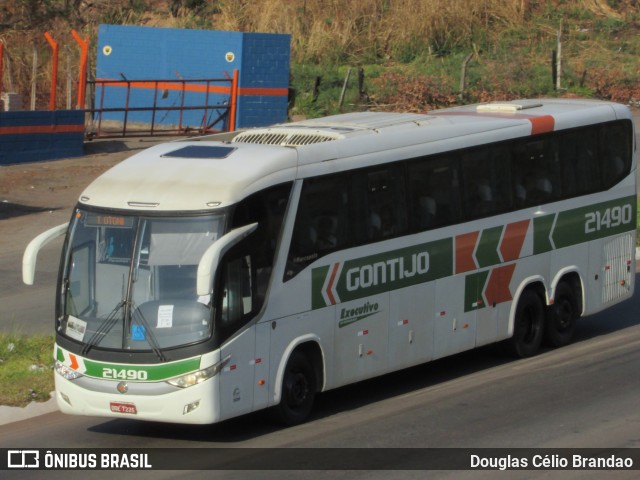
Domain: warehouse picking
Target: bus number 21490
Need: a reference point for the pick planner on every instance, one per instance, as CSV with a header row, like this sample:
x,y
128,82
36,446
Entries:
x,y
609,218
124,374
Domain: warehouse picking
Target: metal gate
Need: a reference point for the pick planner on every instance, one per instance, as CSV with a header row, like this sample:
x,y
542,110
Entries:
x,y
215,98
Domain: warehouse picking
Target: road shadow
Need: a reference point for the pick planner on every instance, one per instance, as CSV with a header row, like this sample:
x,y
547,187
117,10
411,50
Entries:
x,y
333,402
10,210
105,146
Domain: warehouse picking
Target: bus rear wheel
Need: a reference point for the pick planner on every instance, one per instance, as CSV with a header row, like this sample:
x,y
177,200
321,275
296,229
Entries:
x,y
528,325
562,317
298,390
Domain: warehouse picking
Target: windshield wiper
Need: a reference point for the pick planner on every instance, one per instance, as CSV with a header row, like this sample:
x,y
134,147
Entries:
x,y
104,328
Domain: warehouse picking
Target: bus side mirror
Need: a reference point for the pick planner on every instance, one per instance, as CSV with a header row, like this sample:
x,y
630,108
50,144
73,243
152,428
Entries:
x,y
34,246
211,257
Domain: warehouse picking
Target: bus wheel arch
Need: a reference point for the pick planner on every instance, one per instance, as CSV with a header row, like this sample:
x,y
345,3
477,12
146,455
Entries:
x,y
562,314
300,378
528,321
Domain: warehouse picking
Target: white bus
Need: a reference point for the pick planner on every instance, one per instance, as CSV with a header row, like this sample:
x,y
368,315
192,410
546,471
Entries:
x,y
209,278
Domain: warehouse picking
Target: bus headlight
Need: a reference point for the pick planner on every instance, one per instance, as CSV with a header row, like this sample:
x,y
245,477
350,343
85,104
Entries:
x,y
200,376
66,372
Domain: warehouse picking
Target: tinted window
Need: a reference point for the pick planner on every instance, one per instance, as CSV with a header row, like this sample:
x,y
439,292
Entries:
x,y
434,192
486,181
381,212
616,141
536,172
321,221
580,166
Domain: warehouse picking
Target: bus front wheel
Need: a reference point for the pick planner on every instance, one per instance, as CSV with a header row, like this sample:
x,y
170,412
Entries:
x,y
298,390
528,325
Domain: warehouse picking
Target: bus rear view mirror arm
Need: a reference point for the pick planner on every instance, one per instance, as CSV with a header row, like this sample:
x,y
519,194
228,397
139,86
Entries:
x,y
211,258
34,246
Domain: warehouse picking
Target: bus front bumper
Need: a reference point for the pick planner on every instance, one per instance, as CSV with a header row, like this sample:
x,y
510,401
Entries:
x,y
193,405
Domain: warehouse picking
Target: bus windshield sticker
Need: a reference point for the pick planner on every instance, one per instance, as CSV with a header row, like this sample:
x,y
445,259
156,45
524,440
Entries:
x,y
138,332
165,316
76,328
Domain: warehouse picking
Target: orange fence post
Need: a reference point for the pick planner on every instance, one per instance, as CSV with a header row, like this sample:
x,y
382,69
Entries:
x,y
54,70
234,101
82,80
1,65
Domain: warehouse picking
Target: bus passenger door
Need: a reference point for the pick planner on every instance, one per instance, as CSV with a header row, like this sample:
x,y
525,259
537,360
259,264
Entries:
x,y
235,309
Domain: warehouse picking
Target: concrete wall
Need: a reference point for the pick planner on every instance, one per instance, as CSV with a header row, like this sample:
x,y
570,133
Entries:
x,y
146,53
35,136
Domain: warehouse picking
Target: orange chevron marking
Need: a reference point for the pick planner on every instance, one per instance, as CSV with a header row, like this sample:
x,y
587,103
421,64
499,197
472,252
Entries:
x,y
513,239
465,245
331,282
497,290
74,362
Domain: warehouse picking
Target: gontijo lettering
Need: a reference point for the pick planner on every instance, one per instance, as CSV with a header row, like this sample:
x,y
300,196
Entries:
x,y
380,272
366,276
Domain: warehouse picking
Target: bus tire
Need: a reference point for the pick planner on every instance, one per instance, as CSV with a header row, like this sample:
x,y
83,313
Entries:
x,y
562,317
298,390
528,325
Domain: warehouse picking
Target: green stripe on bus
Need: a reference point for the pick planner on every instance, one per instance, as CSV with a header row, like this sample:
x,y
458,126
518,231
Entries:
x,y
584,224
595,222
129,371
153,372
473,288
387,271
374,274
542,234
487,251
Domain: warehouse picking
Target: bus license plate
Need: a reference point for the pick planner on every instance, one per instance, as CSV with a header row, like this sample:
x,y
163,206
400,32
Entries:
x,y
119,407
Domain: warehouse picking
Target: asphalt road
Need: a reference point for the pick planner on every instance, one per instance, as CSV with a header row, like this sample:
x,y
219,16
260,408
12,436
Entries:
x,y
584,395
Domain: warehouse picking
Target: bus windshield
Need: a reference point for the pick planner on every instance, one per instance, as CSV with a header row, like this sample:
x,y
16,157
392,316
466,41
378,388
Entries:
x,y
129,282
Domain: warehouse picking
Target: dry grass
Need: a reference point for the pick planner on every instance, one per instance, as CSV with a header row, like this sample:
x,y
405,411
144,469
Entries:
x,y
518,33
323,29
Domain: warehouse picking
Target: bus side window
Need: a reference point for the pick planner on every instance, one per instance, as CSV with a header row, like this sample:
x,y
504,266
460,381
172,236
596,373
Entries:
x,y
615,158
267,208
536,171
384,203
579,154
236,287
434,189
486,181
244,271
321,224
